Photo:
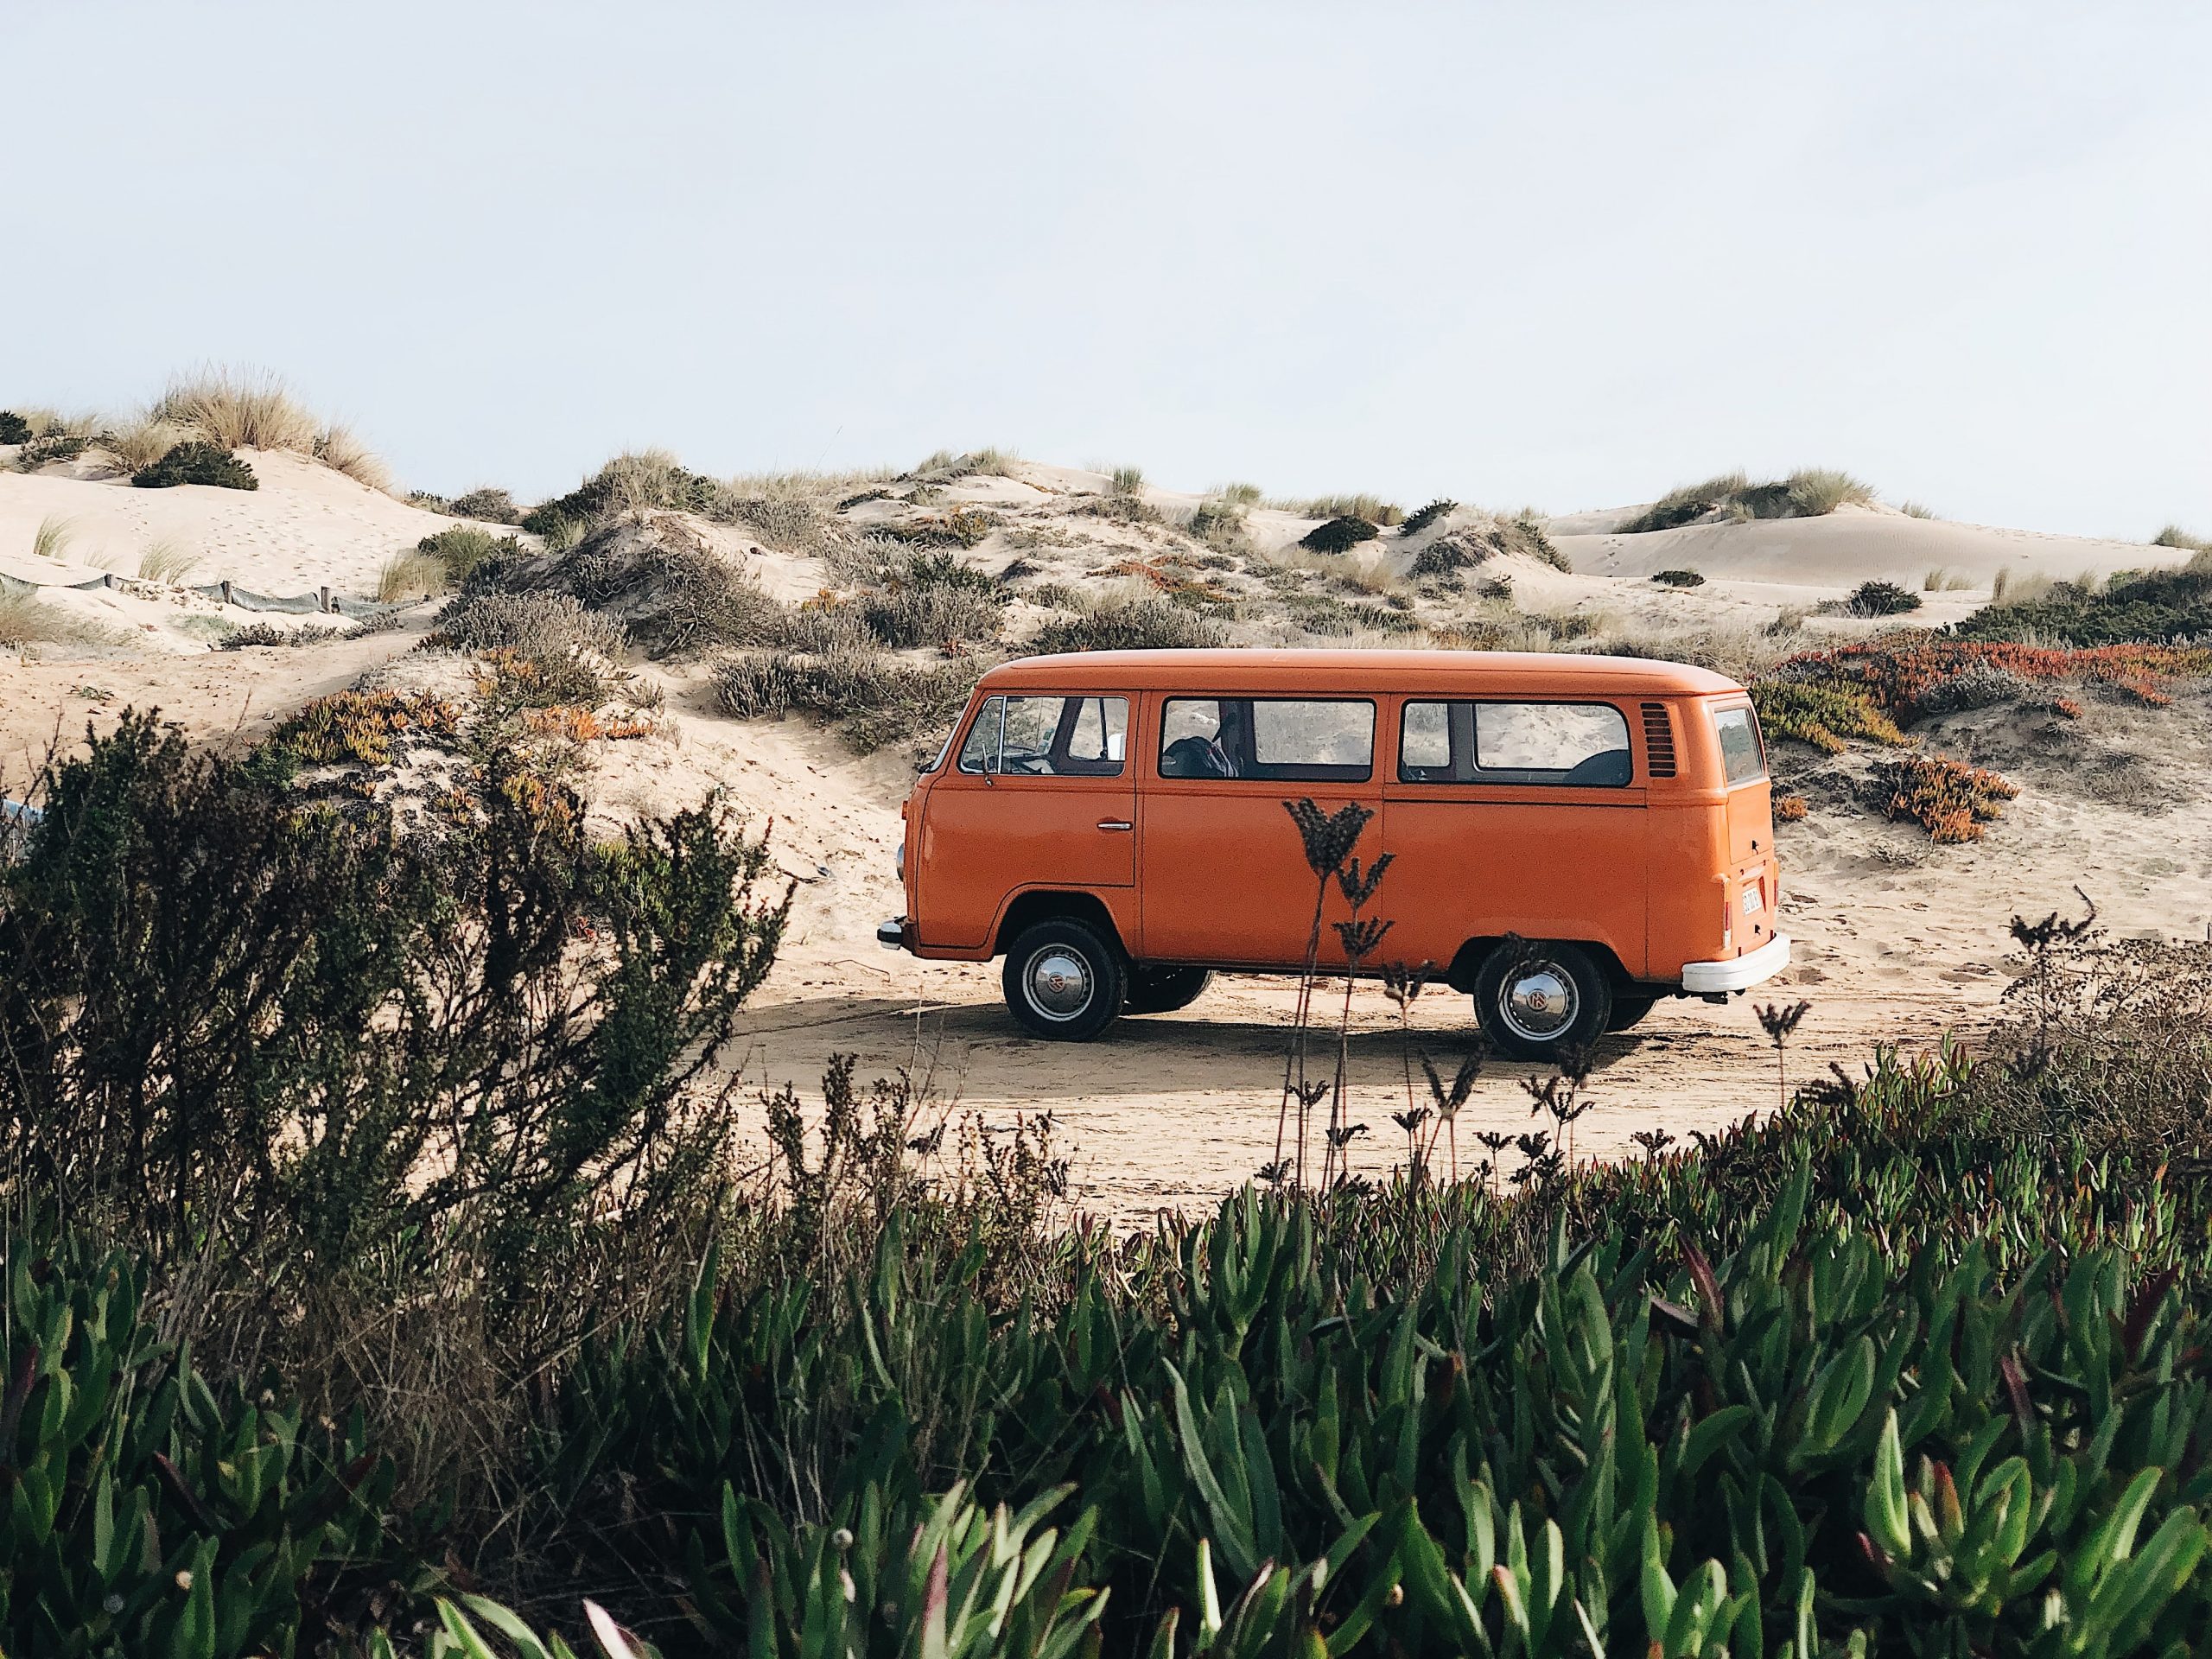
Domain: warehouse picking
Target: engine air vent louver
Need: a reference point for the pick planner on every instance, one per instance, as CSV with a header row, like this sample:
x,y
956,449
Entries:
x,y
1658,741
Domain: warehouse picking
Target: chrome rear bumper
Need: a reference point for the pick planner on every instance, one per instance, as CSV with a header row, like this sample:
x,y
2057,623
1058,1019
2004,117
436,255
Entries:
x,y
1739,973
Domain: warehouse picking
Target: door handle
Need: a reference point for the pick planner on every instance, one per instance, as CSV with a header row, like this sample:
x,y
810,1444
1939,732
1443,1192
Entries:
x,y
1116,823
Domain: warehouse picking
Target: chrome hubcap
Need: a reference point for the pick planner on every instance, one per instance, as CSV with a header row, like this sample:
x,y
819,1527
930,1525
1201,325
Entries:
x,y
1058,982
1539,1002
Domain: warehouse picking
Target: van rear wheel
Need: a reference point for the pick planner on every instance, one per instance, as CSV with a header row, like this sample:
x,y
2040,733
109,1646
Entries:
x,y
1538,1000
1628,1010
1163,991
1063,980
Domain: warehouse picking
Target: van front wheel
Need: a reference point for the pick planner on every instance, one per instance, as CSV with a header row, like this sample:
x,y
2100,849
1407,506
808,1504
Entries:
x,y
1537,1000
1064,980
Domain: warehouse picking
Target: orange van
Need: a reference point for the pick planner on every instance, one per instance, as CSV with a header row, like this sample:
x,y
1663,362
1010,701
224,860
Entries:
x,y
1572,838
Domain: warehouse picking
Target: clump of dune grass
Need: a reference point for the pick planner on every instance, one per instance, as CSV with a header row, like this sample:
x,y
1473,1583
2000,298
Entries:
x,y
26,621
337,447
1815,491
1126,481
1917,510
51,538
2174,535
1239,495
166,560
1808,492
1372,508
140,441
238,408
409,576
1940,580
252,409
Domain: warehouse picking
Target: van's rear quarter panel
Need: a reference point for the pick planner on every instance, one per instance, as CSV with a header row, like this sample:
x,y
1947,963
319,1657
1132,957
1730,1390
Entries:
x,y
1475,861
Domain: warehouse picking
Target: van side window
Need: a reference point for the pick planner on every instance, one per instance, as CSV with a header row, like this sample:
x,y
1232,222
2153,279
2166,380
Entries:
x,y
1569,744
1283,740
1049,736
1743,756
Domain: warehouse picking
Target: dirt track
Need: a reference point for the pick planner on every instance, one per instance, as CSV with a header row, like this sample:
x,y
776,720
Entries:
x,y
1169,1110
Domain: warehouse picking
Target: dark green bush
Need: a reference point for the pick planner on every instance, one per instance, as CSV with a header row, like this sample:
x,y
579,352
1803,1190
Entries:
x,y
47,448
1421,518
1878,599
1338,535
1678,578
235,1023
13,429
194,462
2160,606
492,507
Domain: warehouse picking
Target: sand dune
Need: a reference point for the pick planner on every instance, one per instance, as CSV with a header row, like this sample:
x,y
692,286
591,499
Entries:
x,y
306,527
1831,555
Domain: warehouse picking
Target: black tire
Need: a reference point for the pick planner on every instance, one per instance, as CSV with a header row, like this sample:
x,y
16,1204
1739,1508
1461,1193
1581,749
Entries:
x,y
1088,969
1628,1010
1163,991
1565,1002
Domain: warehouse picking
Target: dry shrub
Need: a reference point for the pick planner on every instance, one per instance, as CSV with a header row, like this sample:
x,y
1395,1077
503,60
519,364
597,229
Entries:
x,y
1136,622
1789,809
671,591
2107,1041
871,697
540,649
487,505
1948,798
931,615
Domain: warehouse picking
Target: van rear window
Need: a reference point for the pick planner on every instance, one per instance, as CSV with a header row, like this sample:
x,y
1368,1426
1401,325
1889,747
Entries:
x,y
1284,739
1743,756
1055,737
1569,744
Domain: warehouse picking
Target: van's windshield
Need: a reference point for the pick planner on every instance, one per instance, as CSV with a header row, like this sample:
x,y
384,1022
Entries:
x,y
1743,756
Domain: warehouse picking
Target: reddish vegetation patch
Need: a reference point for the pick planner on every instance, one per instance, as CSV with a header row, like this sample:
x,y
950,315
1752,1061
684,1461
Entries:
x,y
1789,809
1948,798
1898,676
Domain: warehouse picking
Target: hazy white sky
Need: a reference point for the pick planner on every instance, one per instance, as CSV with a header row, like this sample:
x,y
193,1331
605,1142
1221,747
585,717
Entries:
x,y
1568,255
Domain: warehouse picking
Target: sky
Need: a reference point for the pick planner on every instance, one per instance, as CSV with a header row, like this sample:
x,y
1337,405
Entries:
x,y
1561,255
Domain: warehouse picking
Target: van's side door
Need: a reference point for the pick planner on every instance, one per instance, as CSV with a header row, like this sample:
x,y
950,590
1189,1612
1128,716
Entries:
x,y
1225,877
1519,816
1040,793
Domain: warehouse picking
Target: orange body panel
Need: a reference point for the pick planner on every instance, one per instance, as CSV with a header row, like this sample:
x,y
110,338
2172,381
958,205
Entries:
x,y
1652,872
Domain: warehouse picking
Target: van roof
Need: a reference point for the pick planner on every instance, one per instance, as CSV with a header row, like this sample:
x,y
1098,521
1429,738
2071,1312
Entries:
x,y
1441,671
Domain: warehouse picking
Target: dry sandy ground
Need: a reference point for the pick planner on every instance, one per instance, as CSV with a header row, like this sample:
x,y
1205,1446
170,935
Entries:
x,y
1899,941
